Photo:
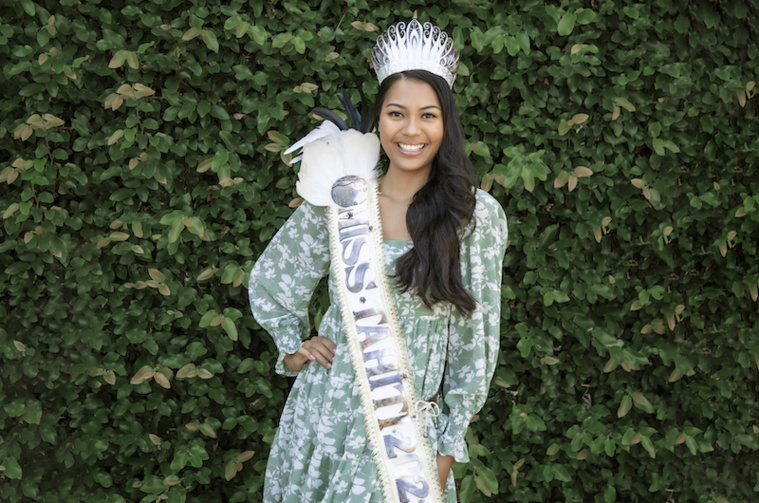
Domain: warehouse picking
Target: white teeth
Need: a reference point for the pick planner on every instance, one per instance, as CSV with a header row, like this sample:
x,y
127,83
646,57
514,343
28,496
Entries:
x,y
411,148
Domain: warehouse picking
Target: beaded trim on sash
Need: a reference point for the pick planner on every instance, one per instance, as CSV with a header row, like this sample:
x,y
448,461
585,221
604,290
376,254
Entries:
x,y
395,427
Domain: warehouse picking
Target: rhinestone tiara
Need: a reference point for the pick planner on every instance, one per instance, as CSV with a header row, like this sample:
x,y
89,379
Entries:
x,y
414,46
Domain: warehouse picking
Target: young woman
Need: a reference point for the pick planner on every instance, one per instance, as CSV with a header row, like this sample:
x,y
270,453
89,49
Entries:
x,y
442,245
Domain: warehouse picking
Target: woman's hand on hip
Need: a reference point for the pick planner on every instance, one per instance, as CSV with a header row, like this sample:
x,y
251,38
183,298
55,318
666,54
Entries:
x,y
319,349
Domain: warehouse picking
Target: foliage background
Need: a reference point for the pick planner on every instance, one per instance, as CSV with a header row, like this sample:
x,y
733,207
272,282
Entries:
x,y
141,177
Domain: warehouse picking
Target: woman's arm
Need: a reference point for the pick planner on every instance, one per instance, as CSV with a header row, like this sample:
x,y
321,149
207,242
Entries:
x,y
283,280
473,341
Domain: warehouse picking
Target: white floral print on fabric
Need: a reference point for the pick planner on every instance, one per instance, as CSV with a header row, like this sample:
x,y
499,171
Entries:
x,y
320,452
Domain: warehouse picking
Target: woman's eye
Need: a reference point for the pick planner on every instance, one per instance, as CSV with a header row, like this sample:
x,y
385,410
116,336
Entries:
x,y
429,116
395,114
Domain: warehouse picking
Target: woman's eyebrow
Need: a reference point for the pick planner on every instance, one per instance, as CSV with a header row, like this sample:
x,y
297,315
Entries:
x,y
403,107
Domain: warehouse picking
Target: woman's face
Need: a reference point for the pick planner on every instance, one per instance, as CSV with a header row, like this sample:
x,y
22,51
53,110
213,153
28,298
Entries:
x,y
411,125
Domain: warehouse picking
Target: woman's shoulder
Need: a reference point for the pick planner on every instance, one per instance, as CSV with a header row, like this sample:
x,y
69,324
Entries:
x,y
488,209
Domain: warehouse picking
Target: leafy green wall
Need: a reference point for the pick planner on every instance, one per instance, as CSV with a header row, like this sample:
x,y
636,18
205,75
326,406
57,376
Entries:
x,y
141,175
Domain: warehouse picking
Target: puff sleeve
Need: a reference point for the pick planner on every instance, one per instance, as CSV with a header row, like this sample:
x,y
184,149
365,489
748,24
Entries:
x,y
473,341
285,276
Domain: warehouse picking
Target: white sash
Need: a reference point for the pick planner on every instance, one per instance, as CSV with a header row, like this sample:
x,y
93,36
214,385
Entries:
x,y
395,427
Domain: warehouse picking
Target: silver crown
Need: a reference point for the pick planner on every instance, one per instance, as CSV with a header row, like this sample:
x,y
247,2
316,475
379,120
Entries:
x,y
414,46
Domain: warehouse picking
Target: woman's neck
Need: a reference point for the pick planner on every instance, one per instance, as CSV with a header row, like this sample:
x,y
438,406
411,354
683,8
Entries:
x,y
401,186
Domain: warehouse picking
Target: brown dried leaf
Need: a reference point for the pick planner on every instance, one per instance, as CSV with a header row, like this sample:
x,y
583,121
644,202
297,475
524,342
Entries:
x,y
110,377
142,375
25,134
741,98
638,183
36,121
204,165
615,113
610,366
583,454
636,305
675,376
187,372
125,89
576,48
156,275
579,118
583,171
245,456
207,274
142,90
162,380
598,233
561,180
572,183
155,439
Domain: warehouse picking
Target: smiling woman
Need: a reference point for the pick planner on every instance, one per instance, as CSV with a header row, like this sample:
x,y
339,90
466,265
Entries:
x,y
405,353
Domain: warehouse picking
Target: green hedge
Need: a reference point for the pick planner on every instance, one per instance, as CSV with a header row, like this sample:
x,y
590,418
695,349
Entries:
x,y
141,176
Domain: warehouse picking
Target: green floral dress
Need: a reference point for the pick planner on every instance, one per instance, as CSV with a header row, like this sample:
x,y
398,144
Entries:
x,y
320,452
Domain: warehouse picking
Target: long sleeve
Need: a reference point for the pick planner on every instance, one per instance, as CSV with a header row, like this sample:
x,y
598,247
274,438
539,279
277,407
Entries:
x,y
473,342
285,276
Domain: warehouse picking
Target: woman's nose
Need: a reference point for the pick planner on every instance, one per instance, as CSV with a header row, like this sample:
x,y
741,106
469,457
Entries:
x,y
411,127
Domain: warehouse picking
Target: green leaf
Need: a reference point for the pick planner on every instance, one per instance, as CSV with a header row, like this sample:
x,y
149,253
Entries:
x,y
12,468
299,44
658,145
529,179
176,229
648,445
205,320
524,41
32,412
561,473
171,218
230,328
567,24
486,481
209,37
132,61
259,34
207,430
230,470
28,6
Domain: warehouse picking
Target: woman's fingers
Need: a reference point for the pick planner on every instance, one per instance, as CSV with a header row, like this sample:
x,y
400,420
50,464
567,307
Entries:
x,y
319,349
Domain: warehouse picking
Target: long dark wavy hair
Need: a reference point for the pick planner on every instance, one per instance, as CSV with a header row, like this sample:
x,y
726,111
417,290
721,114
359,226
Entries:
x,y
439,210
